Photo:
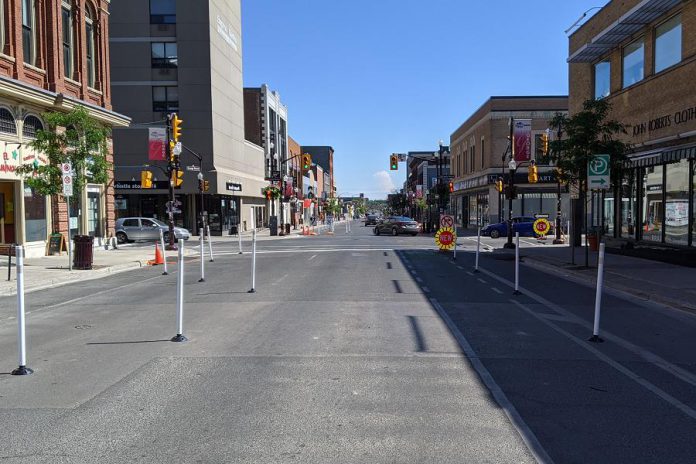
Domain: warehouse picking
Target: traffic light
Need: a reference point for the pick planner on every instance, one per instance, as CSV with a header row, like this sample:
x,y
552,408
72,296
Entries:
x,y
394,162
306,162
172,156
499,185
177,178
146,179
206,185
533,174
176,127
451,187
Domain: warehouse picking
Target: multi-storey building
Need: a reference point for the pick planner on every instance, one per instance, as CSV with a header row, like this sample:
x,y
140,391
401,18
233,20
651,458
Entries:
x,y
294,187
185,57
479,148
422,176
640,56
53,57
323,156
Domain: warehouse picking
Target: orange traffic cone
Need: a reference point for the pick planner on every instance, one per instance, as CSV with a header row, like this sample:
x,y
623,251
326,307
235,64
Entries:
x,y
159,258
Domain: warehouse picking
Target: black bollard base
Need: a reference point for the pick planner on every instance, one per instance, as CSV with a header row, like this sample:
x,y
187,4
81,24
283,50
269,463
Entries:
x,y
201,280
22,370
595,339
516,292
252,291
476,271
165,273
212,260
179,338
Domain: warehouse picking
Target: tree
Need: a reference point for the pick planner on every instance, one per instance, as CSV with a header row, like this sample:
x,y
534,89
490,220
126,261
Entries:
x,y
74,138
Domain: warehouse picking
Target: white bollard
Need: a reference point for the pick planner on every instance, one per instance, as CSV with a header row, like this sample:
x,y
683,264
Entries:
x,y
598,296
21,322
164,253
346,227
517,264
210,243
478,250
239,236
180,297
253,261
202,253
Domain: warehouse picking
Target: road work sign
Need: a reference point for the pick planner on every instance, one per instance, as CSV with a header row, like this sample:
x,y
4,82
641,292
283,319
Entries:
x,y
599,173
445,238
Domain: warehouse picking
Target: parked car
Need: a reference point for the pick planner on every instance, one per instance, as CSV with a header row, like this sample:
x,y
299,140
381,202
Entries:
x,y
138,228
522,224
396,225
371,220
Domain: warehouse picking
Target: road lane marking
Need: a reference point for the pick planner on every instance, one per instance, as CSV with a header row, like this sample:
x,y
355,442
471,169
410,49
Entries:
x,y
482,281
460,268
616,365
496,291
312,257
419,279
505,404
470,273
426,289
649,356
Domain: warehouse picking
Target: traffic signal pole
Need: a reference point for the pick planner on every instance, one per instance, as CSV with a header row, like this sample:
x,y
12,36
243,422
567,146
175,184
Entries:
x,y
170,170
511,189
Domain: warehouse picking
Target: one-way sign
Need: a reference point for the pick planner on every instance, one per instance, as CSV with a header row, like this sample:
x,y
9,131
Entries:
x,y
599,173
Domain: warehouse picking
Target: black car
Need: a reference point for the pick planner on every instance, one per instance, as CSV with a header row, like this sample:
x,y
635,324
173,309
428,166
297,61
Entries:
x,y
396,225
371,220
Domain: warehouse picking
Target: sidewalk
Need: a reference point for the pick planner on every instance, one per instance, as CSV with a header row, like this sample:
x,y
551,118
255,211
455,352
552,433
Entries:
x,y
51,271
663,283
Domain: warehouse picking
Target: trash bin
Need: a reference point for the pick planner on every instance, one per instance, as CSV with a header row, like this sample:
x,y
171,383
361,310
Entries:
x,y
83,252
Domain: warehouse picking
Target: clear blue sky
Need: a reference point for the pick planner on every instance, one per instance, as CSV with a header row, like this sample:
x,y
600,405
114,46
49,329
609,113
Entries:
x,y
372,77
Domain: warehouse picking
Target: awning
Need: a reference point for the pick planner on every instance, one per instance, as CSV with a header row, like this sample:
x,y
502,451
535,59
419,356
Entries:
x,y
640,16
657,157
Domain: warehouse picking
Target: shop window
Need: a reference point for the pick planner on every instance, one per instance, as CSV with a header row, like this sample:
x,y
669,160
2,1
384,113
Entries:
x,y
608,209
34,216
162,12
549,202
7,122
677,203
165,99
668,44
94,212
602,80
693,203
628,204
652,204
633,63
164,55
31,126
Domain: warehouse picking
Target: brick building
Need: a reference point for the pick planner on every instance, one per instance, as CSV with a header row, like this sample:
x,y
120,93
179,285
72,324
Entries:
x,y
54,57
477,148
641,56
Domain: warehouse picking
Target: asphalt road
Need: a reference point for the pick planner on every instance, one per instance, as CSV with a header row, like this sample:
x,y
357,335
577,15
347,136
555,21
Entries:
x,y
355,349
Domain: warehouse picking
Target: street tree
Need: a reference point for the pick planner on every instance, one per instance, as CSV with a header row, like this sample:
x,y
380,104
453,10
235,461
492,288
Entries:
x,y
76,138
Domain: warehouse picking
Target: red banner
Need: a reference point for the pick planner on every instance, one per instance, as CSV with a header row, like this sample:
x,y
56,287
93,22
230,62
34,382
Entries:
x,y
156,144
522,140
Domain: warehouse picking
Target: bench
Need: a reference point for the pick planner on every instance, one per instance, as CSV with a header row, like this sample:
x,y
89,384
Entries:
x,y
9,251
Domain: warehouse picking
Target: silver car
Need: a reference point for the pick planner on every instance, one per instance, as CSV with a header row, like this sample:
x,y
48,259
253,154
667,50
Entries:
x,y
140,228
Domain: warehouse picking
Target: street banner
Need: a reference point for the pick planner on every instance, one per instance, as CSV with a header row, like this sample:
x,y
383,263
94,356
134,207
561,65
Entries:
x,y
156,144
522,140
289,188
419,191
599,173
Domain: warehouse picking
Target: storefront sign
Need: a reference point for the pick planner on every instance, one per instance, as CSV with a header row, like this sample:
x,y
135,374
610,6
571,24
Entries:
x,y
135,185
522,140
232,187
156,144
664,121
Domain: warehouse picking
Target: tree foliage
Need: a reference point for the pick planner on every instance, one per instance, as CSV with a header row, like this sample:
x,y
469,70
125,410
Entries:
x,y
73,137
588,132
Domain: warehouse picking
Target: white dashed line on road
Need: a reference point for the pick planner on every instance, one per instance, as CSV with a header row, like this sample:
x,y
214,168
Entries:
x,y
496,291
312,257
482,281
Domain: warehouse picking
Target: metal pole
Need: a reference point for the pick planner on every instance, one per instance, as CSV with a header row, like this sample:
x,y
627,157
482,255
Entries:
x,y
67,202
210,243
478,249
21,323
559,238
170,170
253,262
517,264
511,186
202,254
239,236
598,296
454,257
164,253
180,297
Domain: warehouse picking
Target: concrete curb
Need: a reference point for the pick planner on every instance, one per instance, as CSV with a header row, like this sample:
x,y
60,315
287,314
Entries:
x,y
617,289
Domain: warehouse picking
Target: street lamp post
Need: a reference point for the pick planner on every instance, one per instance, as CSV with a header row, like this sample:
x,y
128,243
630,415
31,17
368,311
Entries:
x,y
512,169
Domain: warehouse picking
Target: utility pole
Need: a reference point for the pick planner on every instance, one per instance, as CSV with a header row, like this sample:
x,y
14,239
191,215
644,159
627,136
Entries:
x,y
171,168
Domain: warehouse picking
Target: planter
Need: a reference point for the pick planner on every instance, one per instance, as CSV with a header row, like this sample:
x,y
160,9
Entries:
x,y
593,242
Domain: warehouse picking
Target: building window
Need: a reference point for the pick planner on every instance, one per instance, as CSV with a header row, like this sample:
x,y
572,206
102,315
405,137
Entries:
x,y
677,203
164,55
693,203
602,79
7,122
668,44
483,151
472,158
32,125
165,99
28,31
89,37
633,63
67,38
162,12
2,26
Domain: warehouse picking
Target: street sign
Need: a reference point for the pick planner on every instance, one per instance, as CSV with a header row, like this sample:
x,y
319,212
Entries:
x,y
177,148
233,187
66,168
445,238
446,221
193,167
542,226
599,173
67,185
